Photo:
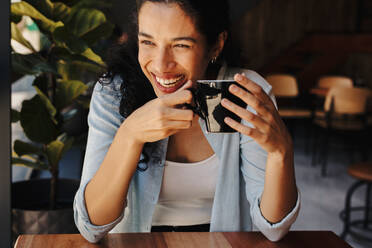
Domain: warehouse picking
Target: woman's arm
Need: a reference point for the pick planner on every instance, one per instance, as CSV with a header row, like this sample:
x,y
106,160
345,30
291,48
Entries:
x,y
265,127
280,191
105,194
113,151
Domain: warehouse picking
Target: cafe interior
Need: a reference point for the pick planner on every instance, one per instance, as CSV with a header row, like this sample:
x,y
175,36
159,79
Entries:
x,y
317,56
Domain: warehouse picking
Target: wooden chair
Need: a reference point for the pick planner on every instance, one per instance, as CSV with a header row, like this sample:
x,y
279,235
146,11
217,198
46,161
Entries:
x,y
345,110
360,227
285,86
331,81
327,82
285,89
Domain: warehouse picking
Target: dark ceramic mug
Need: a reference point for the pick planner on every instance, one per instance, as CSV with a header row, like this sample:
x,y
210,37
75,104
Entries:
x,y
207,97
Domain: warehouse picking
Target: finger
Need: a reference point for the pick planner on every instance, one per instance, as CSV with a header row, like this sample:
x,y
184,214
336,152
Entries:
x,y
243,113
252,101
251,132
176,125
179,114
180,96
254,89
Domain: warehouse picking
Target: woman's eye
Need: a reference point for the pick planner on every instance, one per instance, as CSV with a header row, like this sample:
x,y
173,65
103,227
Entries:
x,y
146,42
182,46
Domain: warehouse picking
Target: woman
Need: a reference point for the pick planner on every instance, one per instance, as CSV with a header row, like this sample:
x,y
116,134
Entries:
x,y
149,163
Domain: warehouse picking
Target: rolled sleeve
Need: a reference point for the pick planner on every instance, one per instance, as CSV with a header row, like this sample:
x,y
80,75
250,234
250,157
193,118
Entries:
x,y
90,232
274,231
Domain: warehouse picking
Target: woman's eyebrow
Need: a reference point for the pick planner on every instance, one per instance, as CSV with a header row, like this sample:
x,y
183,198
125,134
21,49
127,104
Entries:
x,y
174,39
185,38
145,35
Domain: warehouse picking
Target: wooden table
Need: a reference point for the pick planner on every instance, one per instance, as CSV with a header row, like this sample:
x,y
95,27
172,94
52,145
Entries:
x,y
295,239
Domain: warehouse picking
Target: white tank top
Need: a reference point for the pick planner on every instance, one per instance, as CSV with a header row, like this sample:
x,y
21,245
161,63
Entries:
x,y
187,193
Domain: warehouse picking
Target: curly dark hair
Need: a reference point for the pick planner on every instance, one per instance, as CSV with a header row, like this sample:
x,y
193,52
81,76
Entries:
x,y
135,89
211,19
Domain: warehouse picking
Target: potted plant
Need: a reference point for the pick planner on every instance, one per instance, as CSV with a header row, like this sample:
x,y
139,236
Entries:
x,y
71,32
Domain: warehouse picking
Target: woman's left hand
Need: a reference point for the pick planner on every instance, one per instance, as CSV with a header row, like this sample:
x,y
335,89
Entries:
x,y
269,131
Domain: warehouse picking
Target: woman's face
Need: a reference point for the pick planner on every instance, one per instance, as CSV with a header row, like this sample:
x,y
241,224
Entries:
x,y
171,50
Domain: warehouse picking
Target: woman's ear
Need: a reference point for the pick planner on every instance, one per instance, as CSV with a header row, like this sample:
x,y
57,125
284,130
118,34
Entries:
x,y
216,50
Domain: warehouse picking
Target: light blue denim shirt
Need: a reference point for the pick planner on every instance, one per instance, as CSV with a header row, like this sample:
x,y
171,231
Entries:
x,y
240,179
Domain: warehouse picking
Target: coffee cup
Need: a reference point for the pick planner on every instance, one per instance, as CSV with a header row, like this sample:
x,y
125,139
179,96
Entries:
x,y
207,97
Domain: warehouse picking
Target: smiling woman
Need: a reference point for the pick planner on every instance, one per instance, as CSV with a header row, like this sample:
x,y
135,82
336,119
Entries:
x,y
151,166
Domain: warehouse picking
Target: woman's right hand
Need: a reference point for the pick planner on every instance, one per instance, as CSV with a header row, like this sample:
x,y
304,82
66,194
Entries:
x,y
160,117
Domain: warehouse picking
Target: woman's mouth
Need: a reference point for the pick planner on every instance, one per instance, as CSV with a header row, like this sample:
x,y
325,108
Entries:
x,y
169,85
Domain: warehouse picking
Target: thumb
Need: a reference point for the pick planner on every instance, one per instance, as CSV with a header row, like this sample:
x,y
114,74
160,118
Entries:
x,y
180,96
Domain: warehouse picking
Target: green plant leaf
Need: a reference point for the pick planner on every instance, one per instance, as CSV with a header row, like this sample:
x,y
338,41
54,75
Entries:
x,y
83,20
102,31
29,164
64,38
67,56
68,141
17,35
56,11
76,45
23,148
30,64
88,53
90,67
92,4
37,122
41,83
54,151
45,7
48,104
60,12
41,86
74,69
15,115
24,8
67,91
69,3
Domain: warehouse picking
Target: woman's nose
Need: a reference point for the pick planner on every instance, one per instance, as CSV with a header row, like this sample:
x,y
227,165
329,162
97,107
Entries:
x,y
164,60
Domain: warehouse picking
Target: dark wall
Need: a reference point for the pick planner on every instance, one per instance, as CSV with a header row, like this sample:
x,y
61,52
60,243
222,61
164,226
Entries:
x,y
275,25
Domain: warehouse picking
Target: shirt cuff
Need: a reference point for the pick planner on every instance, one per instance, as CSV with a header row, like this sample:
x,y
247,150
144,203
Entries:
x,y
89,231
275,231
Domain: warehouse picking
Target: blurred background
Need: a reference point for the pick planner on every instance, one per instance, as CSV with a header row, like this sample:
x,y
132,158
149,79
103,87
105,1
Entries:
x,y
316,54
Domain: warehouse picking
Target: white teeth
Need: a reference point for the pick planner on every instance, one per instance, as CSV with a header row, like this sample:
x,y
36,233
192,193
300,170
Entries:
x,y
168,82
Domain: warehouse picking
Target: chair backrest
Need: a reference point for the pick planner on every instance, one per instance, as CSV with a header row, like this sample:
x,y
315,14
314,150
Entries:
x,y
332,81
283,85
347,100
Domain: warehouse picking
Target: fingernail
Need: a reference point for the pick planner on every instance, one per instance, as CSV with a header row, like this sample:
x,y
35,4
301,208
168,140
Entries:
x,y
233,88
239,77
227,119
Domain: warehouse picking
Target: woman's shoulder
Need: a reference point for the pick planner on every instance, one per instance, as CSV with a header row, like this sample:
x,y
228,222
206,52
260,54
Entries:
x,y
109,84
108,89
252,75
